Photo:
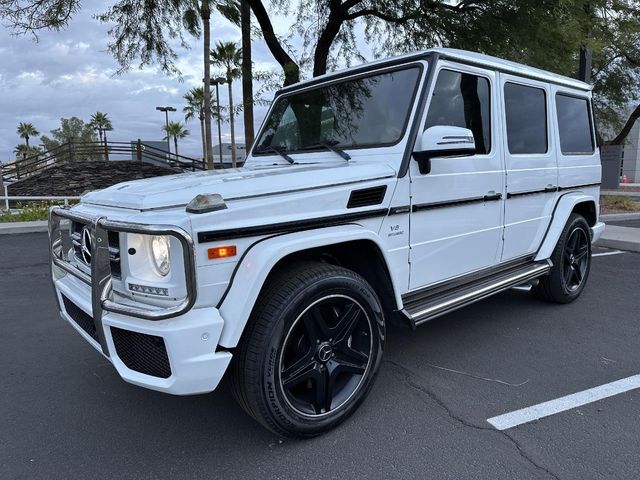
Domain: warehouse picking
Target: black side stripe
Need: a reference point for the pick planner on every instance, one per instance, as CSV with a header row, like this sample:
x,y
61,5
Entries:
x,y
399,210
573,187
454,203
550,190
288,227
533,192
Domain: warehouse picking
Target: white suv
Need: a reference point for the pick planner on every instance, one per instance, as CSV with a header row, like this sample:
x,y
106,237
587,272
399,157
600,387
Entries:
x,y
404,188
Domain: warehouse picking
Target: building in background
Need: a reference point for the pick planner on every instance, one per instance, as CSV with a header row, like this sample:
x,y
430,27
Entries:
x,y
241,154
631,155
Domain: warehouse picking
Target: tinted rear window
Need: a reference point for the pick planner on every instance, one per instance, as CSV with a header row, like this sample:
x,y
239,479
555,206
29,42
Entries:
x,y
574,124
526,116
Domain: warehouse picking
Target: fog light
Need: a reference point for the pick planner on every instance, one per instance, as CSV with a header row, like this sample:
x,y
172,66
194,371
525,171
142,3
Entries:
x,y
147,290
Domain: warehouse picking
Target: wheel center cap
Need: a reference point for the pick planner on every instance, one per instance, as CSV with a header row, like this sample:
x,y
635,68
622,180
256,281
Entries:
x,y
325,352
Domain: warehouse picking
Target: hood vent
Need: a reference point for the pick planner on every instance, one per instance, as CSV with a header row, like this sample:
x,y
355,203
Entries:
x,y
367,196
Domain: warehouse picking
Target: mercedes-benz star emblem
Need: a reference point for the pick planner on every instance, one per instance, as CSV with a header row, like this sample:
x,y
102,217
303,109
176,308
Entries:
x,y
325,352
85,247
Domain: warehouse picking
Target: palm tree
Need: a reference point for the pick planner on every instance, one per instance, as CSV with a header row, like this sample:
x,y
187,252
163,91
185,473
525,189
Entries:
x,y
228,56
101,122
175,130
26,130
195,108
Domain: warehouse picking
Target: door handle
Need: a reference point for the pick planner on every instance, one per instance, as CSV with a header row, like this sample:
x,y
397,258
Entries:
x,y
492,195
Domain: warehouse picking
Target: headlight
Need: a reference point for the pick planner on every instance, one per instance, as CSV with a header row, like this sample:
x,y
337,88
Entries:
x,y
160,251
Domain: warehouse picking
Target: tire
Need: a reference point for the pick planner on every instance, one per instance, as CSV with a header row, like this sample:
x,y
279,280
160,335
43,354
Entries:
x,y
279,371
571,263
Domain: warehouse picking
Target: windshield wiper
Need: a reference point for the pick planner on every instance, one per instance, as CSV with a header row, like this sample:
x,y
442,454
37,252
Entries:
x,y
281,153
331,148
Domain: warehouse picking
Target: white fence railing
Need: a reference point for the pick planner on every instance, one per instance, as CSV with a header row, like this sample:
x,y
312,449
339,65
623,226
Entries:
x,y
63,199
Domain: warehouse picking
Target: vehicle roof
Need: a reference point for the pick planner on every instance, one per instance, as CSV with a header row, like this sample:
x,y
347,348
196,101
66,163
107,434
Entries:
x,y
461,56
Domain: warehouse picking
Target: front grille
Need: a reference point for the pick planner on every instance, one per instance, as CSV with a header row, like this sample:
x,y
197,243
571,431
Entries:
x,y
114,247
84,320
140,352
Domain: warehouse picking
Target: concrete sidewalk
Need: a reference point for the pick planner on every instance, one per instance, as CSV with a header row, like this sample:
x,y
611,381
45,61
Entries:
x,y
23,227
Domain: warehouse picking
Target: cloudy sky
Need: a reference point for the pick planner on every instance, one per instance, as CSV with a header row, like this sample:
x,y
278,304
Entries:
x,y
69,73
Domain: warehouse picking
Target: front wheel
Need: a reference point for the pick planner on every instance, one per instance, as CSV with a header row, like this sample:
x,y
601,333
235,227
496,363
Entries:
x,y
571,263
311,350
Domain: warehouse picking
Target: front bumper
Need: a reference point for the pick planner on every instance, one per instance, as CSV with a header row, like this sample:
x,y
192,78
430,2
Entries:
x,y
171,349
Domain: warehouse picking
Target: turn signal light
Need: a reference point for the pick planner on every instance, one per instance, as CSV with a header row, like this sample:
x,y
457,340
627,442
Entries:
x,y
222,252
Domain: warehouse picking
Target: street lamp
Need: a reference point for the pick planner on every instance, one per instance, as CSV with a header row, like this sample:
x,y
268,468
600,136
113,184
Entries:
x,y
166,111
217,82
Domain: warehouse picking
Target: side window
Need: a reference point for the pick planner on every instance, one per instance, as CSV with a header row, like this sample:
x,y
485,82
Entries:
x,y
526,118
462,100
574,125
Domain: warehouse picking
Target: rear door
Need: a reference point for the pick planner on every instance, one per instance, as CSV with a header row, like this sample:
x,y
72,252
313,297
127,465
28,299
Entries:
x,y
530,158
457,208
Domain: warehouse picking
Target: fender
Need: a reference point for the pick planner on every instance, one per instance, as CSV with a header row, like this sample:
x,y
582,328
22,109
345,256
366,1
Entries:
x,y
256,265
563,209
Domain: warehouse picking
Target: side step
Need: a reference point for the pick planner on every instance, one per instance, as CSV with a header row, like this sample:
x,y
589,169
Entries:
x,y
421,308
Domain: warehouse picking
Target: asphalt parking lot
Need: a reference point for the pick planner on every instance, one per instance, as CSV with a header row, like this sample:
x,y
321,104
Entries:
x,y
66,414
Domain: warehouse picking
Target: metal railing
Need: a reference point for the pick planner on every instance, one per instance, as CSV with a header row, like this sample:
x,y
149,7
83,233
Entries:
x,y
48,199
79,151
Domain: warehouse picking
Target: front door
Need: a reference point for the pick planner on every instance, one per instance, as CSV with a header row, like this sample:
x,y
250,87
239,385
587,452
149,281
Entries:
x,y
457,208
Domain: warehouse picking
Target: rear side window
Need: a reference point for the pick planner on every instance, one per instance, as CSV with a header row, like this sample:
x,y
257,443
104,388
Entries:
x,y
462,100
526,117
574,125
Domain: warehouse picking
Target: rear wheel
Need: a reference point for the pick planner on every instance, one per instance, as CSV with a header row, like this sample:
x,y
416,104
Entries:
x,y
311,350
571,263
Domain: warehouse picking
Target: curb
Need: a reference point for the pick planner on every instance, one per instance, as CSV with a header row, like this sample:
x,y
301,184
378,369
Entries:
x,y
620,238
23,227
616,217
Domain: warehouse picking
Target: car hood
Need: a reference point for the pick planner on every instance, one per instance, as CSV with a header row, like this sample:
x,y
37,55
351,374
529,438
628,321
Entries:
x,y
233,184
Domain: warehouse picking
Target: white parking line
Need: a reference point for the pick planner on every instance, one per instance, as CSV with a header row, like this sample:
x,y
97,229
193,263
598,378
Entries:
x,y
604,254
562,404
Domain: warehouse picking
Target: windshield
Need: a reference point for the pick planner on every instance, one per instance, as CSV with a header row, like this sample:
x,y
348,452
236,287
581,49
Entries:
x,y
364,112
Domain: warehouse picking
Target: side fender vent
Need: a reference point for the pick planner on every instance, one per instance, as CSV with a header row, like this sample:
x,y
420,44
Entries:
x,y
367,196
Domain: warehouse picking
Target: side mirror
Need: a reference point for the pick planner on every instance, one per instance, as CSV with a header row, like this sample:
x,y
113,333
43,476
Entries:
x,y
444,141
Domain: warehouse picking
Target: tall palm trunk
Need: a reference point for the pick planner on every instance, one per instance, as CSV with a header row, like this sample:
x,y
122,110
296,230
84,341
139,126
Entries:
x,y
26,140
205,12
175,144
204,145
233,133
247,74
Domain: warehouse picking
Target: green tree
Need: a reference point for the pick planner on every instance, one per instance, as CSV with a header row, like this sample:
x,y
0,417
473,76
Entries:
x,y
195,109
71,131
26,131
228,56
176,131
102,123
23,151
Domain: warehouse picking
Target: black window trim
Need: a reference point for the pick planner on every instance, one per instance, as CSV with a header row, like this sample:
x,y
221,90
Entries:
x,y
366,74
594,140
546,116
439,69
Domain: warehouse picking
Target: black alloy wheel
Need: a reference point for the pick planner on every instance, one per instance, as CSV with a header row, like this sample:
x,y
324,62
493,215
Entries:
x,y
575,259
325,355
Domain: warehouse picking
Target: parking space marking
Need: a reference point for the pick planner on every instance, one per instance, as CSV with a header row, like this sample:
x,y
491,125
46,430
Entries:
x,y
562,404
604,254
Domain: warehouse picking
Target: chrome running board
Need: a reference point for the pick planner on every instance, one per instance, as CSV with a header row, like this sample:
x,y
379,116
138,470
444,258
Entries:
x,y
420,308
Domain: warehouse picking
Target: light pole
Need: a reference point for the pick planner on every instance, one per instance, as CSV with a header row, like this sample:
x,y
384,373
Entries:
x,y
217,82
166,111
